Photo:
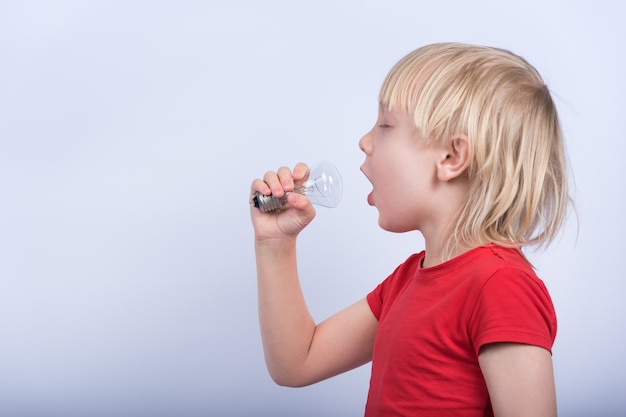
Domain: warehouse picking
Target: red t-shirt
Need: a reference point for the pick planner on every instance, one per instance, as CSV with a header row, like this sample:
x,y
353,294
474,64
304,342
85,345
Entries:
x,y
433,322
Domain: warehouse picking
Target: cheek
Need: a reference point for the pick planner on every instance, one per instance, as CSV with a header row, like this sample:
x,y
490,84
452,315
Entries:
x,y
397,176
395,192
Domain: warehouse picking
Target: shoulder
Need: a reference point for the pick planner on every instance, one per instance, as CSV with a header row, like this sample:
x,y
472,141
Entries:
x,y
497,265
499,257
405,271
508,268
394,283
504,273
511,303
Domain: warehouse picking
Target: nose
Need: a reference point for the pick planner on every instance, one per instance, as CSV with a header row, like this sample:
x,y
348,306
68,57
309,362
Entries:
x,y
365,143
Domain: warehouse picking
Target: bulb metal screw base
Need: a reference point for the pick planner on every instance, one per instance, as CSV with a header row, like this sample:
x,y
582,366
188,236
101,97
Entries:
x,y
267,203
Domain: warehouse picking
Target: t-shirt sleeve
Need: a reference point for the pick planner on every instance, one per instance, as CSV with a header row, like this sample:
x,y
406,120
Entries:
x,y
513,306
375,301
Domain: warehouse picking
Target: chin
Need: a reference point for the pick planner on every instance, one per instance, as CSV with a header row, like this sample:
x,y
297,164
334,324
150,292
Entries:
x,y
390,226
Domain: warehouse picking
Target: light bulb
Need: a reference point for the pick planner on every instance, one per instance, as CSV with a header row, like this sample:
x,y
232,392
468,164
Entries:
x,y
324,188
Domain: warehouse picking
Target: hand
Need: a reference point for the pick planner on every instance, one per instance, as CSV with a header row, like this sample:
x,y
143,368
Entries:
x,y
296,214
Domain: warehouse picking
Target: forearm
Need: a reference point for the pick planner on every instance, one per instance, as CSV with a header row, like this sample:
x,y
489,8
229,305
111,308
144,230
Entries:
x,y
287,327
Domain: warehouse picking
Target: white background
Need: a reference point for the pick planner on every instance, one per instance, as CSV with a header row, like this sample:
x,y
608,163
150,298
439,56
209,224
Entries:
x,y
131,131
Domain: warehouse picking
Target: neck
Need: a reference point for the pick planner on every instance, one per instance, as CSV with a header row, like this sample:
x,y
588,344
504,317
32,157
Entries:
x,y
442,249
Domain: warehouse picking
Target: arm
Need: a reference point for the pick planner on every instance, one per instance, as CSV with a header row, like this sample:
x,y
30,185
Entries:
x,y
297,351
519,378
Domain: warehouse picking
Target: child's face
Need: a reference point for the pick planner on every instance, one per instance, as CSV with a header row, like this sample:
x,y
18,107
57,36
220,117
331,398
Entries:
x,y
402,170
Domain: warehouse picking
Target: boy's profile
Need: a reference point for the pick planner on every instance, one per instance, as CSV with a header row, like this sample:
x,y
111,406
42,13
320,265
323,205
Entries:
x,y
467,149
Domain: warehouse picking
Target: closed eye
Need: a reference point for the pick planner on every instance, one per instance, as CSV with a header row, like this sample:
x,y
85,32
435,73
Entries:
x,y
384,126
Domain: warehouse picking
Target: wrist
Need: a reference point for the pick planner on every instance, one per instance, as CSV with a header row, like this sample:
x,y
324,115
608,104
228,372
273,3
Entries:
x,y
275,243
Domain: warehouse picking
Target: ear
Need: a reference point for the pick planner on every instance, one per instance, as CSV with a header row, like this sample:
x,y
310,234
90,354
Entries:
x,y
455,158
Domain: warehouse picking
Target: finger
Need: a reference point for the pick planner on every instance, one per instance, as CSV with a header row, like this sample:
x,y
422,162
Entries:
x,y
286,178
273,182
301,172
258,185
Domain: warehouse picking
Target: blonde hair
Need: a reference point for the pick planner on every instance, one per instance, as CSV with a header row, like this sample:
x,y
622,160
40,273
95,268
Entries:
x,y
518,192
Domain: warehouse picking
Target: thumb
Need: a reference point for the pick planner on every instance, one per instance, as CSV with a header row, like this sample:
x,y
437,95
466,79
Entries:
x,y
302,204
